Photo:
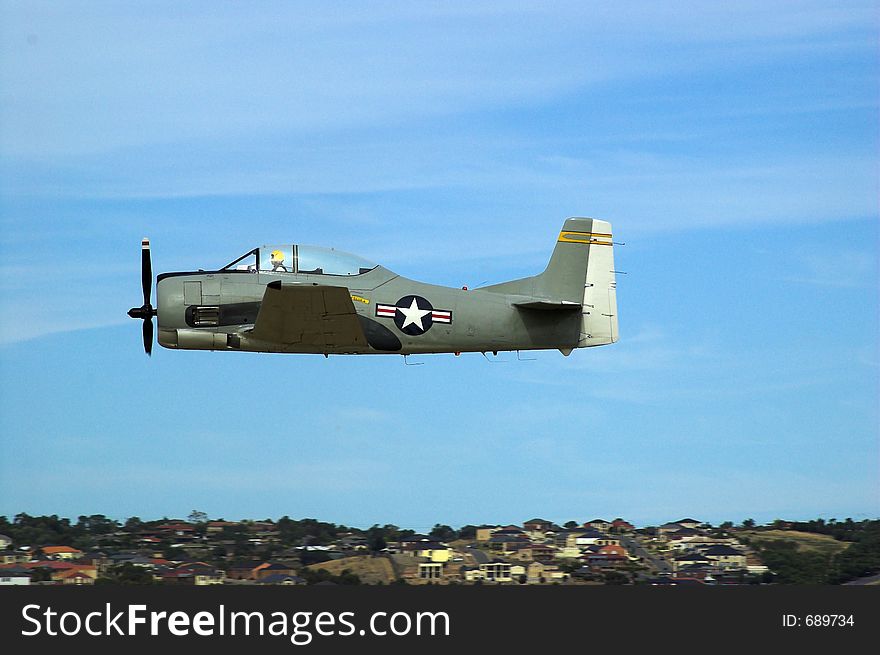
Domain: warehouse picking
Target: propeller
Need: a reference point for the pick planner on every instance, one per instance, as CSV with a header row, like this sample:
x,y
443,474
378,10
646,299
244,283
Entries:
x,y
146,311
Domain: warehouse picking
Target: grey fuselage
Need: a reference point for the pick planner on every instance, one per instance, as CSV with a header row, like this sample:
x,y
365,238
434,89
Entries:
x,y
217,311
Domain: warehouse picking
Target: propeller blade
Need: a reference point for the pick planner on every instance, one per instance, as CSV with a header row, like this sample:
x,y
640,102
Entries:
x,y
148,337
146,312
146,271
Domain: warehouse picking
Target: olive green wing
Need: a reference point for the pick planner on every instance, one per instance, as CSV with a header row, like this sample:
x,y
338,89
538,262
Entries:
x,y
309,315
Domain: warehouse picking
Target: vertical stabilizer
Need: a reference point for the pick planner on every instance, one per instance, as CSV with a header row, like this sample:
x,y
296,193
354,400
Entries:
x,y
580,272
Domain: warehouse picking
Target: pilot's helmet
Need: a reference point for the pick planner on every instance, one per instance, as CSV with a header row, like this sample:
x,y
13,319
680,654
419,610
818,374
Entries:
x,y
277,256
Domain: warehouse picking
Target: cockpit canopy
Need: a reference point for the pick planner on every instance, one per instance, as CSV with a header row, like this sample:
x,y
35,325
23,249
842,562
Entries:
x,y
300,259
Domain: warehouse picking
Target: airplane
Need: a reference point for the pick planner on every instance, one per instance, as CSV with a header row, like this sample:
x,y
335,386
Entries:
x,y
306,299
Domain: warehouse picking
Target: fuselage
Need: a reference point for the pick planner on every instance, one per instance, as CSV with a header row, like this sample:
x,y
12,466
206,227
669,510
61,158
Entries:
x,y
216,310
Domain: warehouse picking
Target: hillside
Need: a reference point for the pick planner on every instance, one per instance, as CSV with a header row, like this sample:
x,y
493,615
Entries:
x,y
371,570
806,542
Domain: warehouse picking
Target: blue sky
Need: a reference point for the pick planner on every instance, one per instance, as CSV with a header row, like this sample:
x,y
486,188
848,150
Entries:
x,y
734,149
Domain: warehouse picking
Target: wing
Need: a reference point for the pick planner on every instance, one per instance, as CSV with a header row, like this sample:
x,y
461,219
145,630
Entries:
x,y
315,318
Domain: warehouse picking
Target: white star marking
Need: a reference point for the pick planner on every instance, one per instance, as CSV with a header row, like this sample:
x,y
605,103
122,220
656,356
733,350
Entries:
x,y
414,315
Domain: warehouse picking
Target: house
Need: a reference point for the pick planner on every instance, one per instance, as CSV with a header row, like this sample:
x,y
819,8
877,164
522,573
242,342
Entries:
x,y
605,556
693,524
537,525
585,537
136,559
76,576
563,538
242,570
682,533
496,571
214,527
537,528
675,582
510,531
619,525
506,534
267,569
532,552
508,542
569,552
5,542
603,560
484,532
282,579
691,559
755,566
14,557
61,552
14,576
613,549
542,572
97,559
195,573
180,531
726,557
598,524
431,550
694,572
668,528
353,542
49,565
430,571
698,541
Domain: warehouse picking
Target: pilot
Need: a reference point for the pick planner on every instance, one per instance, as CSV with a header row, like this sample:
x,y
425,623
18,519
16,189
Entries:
x,y
277,259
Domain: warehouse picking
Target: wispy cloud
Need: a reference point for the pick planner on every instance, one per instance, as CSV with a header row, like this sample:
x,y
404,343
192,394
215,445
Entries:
x,y
835,268
210,72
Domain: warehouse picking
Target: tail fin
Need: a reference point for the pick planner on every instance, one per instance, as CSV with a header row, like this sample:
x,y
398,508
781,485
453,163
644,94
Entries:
x,y
580,272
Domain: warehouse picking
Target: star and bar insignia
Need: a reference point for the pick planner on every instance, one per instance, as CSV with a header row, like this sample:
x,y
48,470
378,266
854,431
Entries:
x,y
414,315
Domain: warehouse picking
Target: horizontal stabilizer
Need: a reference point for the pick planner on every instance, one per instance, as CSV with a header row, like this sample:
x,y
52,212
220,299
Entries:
x,y
547,305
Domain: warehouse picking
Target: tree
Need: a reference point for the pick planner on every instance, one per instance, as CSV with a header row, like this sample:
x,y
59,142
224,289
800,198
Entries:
x,y
376,538
467,532
615,578
748,523
96,524
133,524
41,575
196,516
442,533
570,525
314,576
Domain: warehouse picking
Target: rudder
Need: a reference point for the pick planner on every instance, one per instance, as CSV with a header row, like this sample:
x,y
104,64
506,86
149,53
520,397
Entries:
x,y
599,320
